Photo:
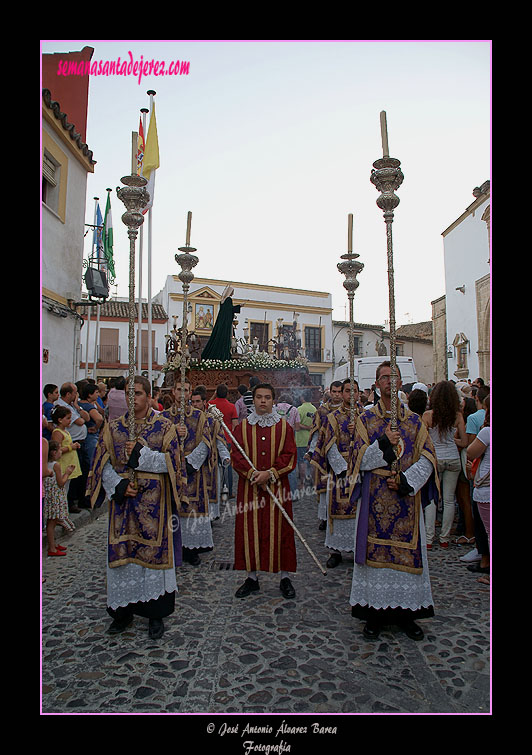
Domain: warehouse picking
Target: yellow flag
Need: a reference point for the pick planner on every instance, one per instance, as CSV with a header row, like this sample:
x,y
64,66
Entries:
x,y
151,153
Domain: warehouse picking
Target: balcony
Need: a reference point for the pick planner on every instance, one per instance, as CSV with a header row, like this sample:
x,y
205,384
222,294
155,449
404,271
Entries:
x,y
144,355
112,354
109,354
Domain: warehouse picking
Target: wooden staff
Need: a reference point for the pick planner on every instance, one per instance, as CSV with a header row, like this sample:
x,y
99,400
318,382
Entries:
x,y
217,414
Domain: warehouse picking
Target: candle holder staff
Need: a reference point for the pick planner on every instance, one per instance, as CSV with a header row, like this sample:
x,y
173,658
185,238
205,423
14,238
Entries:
x,y
186,261
135,197
387,176
331,455
350,269
392,478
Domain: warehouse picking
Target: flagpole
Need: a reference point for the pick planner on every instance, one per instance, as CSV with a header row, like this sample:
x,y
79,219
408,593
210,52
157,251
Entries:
x,y
88,308
141,248
151,93
99,241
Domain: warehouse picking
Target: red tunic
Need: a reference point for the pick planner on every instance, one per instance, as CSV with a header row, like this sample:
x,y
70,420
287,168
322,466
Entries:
x,y
264,541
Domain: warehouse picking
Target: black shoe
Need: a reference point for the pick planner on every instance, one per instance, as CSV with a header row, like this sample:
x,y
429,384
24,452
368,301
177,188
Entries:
x,y
249,586
156,629
371,631
74,509
191,556
412,630
119,625
287,588
323,525
334,560
478,568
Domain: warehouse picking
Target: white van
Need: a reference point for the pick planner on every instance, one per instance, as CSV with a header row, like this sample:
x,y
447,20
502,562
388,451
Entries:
x,y
366,368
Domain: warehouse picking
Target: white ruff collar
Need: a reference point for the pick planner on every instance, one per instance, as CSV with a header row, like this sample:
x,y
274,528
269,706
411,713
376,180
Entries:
x,y
264,420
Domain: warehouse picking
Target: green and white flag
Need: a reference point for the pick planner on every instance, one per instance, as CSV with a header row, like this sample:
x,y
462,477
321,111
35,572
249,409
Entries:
x,y
108,238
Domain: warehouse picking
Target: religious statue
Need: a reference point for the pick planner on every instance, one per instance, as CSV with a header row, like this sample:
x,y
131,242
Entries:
x,y
219,344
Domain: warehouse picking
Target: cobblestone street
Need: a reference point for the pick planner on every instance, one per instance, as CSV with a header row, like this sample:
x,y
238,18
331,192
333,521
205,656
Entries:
x,y
263,654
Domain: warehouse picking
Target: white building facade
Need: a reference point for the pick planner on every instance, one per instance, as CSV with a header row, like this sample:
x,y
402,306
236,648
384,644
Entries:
x,y
66,163
467,290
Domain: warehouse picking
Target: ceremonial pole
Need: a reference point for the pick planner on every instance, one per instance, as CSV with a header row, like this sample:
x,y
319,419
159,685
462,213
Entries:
x,y
186,261
350,269
135,197
141,244
151,94
217,414
99,245
387,176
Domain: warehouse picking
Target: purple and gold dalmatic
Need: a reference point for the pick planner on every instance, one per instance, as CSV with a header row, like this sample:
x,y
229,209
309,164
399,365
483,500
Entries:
x,y
318,460
388,526
334,429
195,499
142,530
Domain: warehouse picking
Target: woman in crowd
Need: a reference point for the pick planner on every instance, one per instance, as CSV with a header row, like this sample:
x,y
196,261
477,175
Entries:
x,y
466,525
447,430
480,449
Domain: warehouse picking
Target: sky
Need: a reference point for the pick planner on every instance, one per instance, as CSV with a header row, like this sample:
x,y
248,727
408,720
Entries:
x,y
270,145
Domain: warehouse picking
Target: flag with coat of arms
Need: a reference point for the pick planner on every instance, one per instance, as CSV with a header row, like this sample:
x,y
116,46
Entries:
x,y
150,162
108,238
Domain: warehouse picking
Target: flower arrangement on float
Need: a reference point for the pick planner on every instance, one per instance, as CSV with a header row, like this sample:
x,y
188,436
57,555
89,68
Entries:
x,y
249,362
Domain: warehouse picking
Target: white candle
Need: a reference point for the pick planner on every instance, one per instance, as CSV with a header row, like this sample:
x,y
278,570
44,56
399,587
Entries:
x,y
189,221
350,232
384,135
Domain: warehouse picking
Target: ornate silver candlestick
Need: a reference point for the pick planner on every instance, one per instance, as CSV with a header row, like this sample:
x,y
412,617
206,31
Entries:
x,y
186,261
135,197
350,269
387,177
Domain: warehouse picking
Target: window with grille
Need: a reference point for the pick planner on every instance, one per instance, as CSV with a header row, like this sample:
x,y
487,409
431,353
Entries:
x,y
313,344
